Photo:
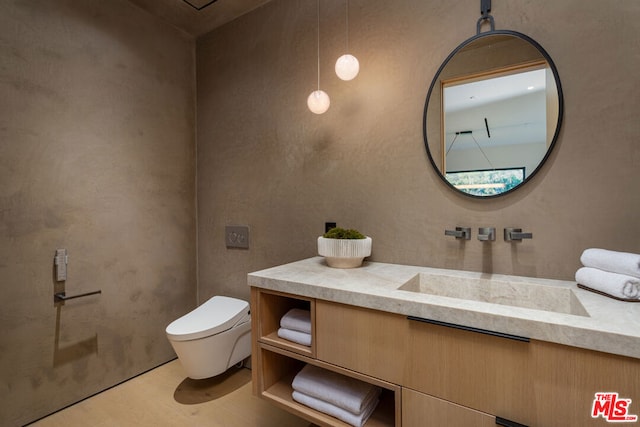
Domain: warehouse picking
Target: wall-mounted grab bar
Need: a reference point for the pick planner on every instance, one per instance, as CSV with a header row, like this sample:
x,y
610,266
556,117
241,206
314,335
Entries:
x,y
62,296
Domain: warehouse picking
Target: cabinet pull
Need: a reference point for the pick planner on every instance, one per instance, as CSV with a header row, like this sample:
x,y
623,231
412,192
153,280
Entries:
x,y
470,329
506,423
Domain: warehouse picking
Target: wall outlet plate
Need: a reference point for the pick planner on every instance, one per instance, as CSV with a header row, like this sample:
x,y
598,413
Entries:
x,y
237,236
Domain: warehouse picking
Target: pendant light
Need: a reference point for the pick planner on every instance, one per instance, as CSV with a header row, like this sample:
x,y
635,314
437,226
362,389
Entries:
x,y
347,66
318,101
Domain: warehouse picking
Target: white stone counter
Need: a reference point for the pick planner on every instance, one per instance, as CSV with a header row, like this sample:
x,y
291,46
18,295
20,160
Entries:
x,y
608,325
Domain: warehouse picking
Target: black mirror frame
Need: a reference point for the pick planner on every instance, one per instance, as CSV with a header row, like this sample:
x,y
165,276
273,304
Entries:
x,y
556,77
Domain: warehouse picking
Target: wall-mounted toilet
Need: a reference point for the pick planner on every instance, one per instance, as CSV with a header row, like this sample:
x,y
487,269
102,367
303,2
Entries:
x,y
213,337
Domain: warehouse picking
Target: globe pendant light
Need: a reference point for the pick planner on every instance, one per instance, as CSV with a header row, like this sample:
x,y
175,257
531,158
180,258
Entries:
x,y
318,101
347,66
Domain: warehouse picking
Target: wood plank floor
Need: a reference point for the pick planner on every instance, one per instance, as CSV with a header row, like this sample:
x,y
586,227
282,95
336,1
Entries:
x,y
166,397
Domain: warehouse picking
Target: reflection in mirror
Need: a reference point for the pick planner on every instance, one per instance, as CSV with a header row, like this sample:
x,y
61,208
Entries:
x,y
493,113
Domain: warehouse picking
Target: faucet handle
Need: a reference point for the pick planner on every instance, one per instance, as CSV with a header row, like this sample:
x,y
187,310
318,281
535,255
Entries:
x,y
459,233
487,234
511,234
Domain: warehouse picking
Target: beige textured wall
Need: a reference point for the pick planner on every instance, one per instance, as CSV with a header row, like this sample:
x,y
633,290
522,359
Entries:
x,y
266,161
97,155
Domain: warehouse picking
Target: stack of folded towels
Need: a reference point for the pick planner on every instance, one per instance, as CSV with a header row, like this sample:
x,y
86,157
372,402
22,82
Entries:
x,y
295,326
348,399
616,274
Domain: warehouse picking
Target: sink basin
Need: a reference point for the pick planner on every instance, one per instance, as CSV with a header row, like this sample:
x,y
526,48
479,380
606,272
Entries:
x,y
504,292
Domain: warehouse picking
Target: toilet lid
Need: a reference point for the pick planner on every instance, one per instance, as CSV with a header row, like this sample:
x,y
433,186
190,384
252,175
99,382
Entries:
x,y
214,316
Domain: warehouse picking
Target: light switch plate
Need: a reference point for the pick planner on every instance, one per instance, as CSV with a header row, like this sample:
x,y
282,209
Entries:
x,y
237,236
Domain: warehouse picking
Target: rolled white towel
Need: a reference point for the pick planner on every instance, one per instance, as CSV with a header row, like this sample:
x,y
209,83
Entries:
x,y
615,262
297,319
356,420
295,336
614,284
344,392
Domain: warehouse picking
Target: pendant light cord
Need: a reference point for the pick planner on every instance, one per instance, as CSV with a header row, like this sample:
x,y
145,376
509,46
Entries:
x,y
347,21
318,17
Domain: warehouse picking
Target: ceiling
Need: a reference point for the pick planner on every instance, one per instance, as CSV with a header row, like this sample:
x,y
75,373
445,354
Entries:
x,y
494,89
198,17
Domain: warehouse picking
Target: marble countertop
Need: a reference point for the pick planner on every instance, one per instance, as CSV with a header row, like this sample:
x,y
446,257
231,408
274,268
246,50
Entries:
x,y
608,325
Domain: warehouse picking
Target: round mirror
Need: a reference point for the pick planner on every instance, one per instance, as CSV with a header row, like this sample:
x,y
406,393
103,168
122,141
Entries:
x,y
493,113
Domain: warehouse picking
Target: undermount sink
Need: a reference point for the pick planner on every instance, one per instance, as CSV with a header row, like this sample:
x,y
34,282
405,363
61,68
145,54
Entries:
x,y
512,293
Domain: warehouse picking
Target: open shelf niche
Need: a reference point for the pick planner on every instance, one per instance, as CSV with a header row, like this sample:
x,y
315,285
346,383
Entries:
x,y
277,361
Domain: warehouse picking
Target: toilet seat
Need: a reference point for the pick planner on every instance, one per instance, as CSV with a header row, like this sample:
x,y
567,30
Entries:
x,y
216,315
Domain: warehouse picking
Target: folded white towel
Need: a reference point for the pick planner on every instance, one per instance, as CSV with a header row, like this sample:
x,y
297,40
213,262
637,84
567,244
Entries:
x,y
297,319
614,284
344,392
295,336
615,262
356,420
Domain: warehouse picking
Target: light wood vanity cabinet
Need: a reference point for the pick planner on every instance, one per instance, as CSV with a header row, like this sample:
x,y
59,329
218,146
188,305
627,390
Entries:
x,y
436,375
276,361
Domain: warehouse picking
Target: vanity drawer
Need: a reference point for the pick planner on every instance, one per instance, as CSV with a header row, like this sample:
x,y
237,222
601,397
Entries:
x,y
483,372
565,380
420,410
368,341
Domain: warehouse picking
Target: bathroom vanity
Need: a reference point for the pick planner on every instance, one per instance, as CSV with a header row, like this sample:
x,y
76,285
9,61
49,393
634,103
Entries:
x,y
448,347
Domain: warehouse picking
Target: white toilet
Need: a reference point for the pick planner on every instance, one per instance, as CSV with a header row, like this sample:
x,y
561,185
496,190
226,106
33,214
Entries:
x,y
213,337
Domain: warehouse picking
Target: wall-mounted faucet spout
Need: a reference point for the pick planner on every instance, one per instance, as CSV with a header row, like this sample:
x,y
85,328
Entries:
x,y
487,234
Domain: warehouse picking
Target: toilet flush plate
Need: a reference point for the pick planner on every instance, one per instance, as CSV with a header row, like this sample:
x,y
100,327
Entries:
x,y
237,236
